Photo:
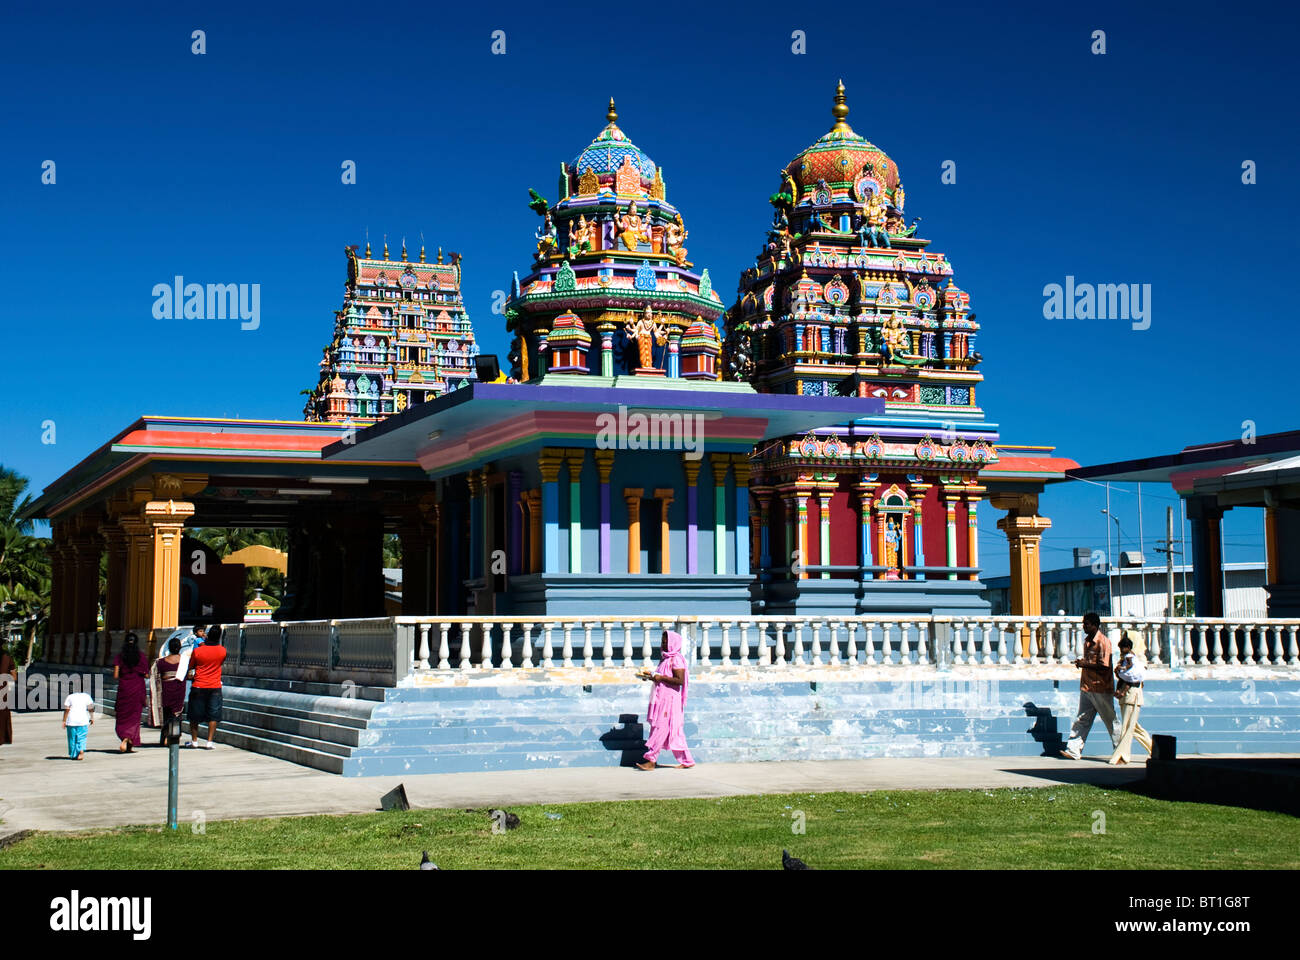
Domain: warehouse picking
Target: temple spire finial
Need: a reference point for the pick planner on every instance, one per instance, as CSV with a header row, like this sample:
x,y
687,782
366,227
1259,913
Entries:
x,y
385,246
612,115
403,250
840,111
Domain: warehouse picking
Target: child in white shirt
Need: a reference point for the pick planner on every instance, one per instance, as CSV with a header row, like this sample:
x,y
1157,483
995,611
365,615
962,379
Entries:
x,y
78,715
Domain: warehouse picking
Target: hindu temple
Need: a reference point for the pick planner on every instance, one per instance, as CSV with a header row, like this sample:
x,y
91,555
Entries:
x,y
402,337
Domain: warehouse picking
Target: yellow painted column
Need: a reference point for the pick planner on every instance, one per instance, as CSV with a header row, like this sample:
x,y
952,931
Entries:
x,y
632,496
1024,530
801,522
665,498
166,521
972,537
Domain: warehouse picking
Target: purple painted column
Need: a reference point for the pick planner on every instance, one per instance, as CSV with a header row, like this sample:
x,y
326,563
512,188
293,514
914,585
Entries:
x,y
692,468
605,466
515,522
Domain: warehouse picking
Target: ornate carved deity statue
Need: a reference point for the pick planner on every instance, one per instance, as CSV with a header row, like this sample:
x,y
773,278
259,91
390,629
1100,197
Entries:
x,y
579,236
676,236
646,332
632,228
546,237
893,335
893,545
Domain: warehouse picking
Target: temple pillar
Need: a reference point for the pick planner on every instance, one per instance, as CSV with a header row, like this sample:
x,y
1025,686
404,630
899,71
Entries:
x,y
720,464
477,513
550,462
674,363
801,535
166,522
606,331
574,458
533,504
950,508
692,470
632,496
864,491
764,497
918,539
139,571
1024,530
1205,516
972,538
514,522
740,462
790,548
665,498
824,529
604,468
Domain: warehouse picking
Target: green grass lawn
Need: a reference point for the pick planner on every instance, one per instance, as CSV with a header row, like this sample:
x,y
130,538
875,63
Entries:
x,y
946,829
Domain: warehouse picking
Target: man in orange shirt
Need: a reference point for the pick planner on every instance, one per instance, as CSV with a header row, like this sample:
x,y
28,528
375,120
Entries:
x,y
205,694
1096,688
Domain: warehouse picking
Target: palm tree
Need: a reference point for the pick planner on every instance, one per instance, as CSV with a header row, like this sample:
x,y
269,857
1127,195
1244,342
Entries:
x,y
24,563
227,540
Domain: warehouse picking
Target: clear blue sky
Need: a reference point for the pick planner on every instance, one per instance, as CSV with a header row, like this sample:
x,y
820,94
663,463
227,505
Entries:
x,y
225,168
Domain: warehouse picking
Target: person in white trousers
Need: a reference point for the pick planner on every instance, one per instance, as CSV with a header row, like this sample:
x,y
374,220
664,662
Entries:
x,y
1129,675
1096,688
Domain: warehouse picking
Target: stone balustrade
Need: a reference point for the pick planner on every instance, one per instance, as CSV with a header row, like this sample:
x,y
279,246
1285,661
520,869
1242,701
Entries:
x,y
383,651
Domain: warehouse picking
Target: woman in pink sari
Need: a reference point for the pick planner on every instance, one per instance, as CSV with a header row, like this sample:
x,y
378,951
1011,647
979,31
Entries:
x,y
667,705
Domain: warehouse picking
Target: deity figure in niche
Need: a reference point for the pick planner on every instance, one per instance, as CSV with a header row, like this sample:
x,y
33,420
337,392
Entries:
x,y
546,237
646,331
893,547
579,236
896,343
873,230
676,236
631,228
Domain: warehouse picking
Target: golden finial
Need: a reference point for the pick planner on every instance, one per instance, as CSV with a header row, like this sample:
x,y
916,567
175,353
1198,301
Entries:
x,y
367,249
403,249
612,115
422,253
440,254
385,246
840,111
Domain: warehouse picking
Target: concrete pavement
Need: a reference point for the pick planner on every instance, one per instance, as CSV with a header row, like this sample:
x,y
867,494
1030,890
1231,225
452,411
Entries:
x,y
43,790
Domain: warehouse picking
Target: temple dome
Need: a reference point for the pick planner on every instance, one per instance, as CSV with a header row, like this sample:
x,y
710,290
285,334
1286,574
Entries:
x,y
840,155
606,153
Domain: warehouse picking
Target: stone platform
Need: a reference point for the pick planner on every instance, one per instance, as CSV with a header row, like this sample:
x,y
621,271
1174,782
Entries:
x,y
457,721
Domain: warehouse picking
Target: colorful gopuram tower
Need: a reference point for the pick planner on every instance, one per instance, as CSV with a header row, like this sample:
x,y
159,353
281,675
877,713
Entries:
x,y
402,337
877,514
611,291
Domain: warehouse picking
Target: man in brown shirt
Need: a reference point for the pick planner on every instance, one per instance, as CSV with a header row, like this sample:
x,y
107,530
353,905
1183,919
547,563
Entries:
x,y
1096,688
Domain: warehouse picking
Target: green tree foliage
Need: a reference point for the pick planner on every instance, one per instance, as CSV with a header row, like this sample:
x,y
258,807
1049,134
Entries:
x,y
227,540
24,567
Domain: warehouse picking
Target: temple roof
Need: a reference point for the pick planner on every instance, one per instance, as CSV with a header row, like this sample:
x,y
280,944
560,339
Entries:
x,y
606,153
839,155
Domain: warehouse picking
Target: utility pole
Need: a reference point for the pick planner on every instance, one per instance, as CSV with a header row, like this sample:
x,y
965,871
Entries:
x,y
1142,552
1110,586
1169,551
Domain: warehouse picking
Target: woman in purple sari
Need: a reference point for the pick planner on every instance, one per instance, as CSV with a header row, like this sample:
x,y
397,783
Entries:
x,y
129,670
167,689
667,705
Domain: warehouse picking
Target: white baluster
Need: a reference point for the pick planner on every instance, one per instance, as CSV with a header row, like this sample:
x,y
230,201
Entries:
x,y
507,653
1292,654
744,643
1231,655
548,646
779,656
726,643
1002,642
763,657
1012,630
607,651
444,647
922,635
421,646
986,652
628,657
851,649
704,642
587,662
817,643
886,644
957,641
972,641
526,653
833,654
647,648
485,651
466,635
567,650
798,659
869,643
